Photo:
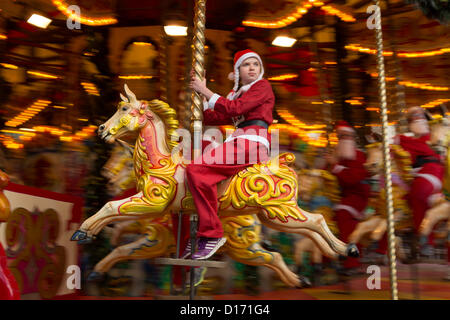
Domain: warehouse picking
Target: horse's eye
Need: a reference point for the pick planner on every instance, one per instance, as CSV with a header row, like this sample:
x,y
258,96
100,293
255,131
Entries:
x,y
124,108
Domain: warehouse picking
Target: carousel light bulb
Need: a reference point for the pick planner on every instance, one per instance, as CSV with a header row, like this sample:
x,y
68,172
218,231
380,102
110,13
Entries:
x,y
173,30
39,21
283,41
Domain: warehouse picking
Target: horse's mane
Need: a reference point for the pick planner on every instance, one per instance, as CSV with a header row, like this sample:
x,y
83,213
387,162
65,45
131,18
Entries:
x,y
169,117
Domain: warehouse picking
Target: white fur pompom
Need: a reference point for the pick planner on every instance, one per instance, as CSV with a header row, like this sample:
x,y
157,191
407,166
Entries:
x,y
231,76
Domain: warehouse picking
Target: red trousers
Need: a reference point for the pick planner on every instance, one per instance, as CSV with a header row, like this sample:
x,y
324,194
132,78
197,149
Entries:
x,y
422,189
9,290
216,165
346,224
382,244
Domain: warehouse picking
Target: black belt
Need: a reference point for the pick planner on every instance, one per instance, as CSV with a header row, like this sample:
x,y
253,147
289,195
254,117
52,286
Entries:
x,y
422,160
248,123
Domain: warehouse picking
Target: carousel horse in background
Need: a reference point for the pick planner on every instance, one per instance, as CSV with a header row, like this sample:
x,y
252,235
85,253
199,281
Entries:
x,y
319,193
118,170
9,289
268,190
375,226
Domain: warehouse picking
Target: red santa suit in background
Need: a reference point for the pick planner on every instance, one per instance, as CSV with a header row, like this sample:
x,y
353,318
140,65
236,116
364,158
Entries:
x,y
427,165
250,110
351,175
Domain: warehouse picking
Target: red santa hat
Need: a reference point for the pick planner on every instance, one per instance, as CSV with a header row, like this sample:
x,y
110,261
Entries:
x,y
240,57
416,113
344,126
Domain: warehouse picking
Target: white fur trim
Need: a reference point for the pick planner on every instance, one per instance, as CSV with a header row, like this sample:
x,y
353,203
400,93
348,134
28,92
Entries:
x,y
338,168
351,210
250,137
432,199
349,129
212,101
437,184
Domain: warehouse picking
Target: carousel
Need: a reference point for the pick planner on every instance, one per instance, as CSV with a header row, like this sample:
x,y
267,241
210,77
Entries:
x,y
115,116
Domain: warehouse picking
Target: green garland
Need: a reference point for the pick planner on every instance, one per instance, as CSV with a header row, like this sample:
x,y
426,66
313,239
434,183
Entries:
x,y
434,9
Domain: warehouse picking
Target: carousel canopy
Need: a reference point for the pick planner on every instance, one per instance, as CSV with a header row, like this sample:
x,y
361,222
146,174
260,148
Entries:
x,y
67,75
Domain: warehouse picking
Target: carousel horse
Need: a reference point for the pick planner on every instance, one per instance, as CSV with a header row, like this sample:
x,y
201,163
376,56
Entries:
x,y
118,170
318,192
242,232
375,226
268,190
9,289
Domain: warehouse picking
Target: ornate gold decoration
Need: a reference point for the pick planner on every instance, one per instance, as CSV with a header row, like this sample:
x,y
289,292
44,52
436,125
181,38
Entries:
x,y
402,162
38,262
5,209
242,233
268,186
158,238
158,185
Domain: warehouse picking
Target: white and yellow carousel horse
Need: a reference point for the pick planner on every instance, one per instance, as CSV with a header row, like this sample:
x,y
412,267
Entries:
x,y
268,190
243,232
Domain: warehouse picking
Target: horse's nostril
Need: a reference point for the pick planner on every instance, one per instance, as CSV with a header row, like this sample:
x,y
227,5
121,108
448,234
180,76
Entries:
x,y
101,128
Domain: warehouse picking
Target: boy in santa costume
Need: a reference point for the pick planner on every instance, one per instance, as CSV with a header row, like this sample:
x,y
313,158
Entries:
x,y
347,164
249,108
428,168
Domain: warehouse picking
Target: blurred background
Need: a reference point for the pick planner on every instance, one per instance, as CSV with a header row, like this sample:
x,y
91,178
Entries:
x,y
61,75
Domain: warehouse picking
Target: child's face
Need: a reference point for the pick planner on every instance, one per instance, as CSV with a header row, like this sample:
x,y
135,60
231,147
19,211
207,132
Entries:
x,y
249,70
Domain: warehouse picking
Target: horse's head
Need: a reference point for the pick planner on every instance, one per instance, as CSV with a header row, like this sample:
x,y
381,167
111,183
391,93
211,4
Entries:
x,y
374,162
131,115
439,135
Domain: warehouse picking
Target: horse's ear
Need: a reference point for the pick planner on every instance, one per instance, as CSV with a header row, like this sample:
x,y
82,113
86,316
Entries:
x,y
124,98
131,96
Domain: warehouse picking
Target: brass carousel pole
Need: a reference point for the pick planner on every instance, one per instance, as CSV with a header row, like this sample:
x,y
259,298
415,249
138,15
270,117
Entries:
x,y
198,61
386,155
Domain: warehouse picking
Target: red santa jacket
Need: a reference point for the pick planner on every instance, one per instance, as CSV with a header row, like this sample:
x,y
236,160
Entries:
x,y
426,162
417,147
255,104
355,191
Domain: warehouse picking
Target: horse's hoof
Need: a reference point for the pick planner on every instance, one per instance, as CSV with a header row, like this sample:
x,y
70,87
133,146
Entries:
x,y
86,240
78,235
352,250
95,276
304,282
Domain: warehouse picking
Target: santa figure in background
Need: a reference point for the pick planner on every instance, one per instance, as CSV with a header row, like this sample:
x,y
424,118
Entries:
x,y
428,168
347,164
